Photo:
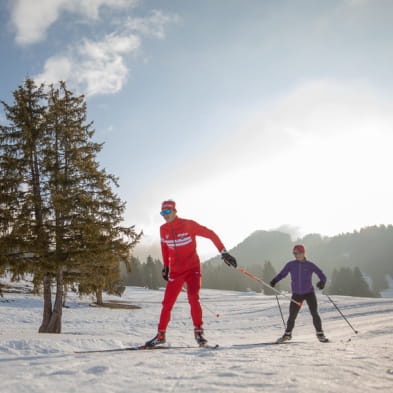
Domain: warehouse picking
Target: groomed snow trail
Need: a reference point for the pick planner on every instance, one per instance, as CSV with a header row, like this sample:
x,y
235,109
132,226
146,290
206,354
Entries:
x,y
32,362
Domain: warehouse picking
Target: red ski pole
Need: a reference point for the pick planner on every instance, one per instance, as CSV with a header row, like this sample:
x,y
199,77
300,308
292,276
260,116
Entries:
x,y
267,285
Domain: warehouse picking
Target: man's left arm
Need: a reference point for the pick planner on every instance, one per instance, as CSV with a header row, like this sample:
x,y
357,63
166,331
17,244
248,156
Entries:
x,y
200,230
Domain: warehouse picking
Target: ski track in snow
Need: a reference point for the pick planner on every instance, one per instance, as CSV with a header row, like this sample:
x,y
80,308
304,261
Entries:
x,y
32,362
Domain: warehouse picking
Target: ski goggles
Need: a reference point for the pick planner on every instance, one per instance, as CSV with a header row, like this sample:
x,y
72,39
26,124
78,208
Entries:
x,y
167,211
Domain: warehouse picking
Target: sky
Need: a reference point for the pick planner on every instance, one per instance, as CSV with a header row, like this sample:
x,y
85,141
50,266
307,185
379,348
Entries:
x,y
250,114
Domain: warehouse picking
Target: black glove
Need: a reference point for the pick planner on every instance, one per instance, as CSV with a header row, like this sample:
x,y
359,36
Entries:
x,y
321,285
228,259
273,283
165,272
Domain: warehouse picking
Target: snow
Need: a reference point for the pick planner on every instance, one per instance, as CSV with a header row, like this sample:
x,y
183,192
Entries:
x,y
32,362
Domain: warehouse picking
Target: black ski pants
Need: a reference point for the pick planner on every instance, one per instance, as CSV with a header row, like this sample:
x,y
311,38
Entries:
x,y
294,309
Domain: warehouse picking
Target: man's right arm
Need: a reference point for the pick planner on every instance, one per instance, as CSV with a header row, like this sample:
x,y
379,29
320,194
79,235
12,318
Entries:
x,y
165,256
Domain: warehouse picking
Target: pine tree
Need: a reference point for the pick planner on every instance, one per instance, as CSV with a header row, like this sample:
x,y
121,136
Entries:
x,y
333,287
64,217
359,286
134,277
341,282
24,239
348,282
150,274
268,273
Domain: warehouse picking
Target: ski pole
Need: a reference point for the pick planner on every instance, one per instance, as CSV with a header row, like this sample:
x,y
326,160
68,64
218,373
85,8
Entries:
x,y
267,285
346,320
279,307
204,306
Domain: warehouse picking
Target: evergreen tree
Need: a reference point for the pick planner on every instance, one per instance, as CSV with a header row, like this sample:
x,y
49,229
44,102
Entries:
x,y
268,273
349,282
60,219
24,238
251,284
152,276
333,287
134,277
359,286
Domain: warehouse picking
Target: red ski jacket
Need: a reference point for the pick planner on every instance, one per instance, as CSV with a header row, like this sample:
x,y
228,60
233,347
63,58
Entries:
x,y
178,244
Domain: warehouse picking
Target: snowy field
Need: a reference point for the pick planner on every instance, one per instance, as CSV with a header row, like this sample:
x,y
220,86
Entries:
x,y
32,362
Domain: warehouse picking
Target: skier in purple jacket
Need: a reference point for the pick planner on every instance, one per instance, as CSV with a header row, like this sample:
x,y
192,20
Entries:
x,y
302,289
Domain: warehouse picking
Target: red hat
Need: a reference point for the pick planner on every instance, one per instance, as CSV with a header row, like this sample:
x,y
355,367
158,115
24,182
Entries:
x,y
299,248
168,205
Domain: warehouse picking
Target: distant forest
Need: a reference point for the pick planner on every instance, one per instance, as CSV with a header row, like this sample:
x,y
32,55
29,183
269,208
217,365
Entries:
x,y
344,258
369,250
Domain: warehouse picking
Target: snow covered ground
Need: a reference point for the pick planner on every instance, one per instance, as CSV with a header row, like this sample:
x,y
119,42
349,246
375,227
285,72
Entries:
x,y
32,362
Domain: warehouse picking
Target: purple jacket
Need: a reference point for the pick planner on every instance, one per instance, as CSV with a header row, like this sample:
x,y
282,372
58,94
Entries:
x,y
301,272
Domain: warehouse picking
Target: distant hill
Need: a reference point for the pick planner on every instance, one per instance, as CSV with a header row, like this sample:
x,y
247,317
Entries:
x,y
370,249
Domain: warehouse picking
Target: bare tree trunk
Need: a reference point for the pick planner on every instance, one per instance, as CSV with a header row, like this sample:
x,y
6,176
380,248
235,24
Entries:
x,y
99,297
47,304
55,321
52,317
65,296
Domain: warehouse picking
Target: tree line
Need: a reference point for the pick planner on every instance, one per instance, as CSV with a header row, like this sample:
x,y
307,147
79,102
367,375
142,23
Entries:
x,y
60,219
144,274
344,281
369,249
148,274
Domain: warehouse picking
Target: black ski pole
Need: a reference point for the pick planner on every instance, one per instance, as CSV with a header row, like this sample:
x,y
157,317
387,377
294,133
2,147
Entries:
x,y
279,307
346,320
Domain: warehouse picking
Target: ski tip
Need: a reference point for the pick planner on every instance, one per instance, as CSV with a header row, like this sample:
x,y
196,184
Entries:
x,y
209,346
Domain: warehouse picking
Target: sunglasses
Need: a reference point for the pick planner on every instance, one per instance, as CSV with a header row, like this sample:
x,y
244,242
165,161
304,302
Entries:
x,y
297,253
167,211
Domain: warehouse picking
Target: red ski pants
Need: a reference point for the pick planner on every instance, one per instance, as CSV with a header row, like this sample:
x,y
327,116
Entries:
x,y
175,284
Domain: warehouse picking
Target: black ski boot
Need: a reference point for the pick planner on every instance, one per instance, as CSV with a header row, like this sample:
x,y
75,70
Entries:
x,y
322,338
286,337
157,340
199,338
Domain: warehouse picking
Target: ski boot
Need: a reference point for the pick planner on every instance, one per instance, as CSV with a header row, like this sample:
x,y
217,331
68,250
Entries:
x,y
322,338
286,337
199,338
157,340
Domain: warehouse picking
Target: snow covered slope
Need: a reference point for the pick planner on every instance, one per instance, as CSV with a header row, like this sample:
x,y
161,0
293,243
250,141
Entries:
x,y
32,362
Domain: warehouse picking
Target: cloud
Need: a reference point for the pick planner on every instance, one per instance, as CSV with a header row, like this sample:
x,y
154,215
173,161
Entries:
x,y
95,66
92,67
153,25
33,18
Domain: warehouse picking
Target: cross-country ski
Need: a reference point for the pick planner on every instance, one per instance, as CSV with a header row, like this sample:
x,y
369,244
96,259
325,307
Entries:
x,y
145,348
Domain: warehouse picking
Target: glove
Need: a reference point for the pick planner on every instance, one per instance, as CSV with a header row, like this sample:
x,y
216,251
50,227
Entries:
x,y
321,285
228,259
165,273
273,283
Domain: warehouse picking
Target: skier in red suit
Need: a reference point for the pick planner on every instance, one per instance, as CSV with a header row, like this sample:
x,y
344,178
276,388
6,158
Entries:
x,y
182,266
